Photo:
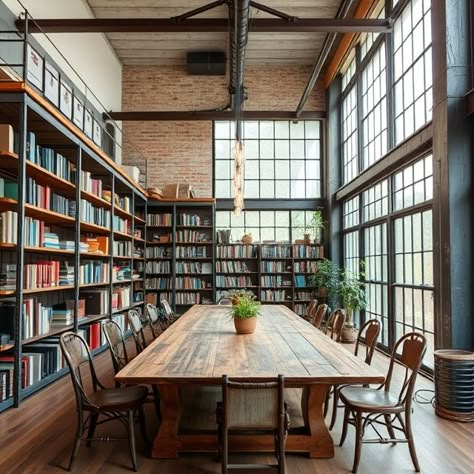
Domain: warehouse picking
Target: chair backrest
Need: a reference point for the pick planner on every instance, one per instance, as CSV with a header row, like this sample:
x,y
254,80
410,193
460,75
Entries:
x,y
79,360
368,335
116,342
320,312
310,310
151,312
413,348
136,327
169,313
225,301
335,324
248,405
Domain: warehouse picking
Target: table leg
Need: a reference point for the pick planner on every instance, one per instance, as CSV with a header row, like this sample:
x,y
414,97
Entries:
x,y
166,443
312,405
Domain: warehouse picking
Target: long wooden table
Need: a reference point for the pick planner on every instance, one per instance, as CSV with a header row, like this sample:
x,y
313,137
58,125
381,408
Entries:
x,y
202,346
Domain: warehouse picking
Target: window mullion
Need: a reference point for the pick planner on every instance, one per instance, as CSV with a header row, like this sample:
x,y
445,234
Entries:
x,y
360,132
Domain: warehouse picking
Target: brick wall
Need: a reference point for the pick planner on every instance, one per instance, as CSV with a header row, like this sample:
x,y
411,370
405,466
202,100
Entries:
x,y
182,151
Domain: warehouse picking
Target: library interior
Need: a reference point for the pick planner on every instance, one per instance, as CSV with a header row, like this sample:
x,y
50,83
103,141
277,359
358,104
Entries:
x,y
236,236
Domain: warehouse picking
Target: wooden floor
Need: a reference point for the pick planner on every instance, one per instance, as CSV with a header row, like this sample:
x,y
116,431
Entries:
x,y
37,438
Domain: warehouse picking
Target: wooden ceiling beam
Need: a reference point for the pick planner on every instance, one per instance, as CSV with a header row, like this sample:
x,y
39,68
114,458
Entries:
x,y
150,25
150,116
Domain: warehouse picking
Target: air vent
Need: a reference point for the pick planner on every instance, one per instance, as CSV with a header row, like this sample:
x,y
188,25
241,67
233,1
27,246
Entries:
x,y
206,63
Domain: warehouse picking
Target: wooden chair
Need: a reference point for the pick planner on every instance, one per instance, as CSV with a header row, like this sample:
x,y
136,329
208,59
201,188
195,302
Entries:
x,y
335,324
310,310
252,408
368,335
319,314
367,405
224,301
111,403
170,315
136,327
151,312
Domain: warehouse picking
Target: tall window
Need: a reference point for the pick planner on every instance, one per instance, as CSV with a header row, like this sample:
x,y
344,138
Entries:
x,y
412,68
399,205
282,159
349,135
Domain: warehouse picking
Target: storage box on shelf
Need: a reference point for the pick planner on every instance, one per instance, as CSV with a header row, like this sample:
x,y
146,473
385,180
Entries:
x,y
64,257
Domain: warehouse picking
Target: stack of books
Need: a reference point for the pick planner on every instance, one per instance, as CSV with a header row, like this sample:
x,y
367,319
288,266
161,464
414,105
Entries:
x,y
66,274
62,317
51,240
66,245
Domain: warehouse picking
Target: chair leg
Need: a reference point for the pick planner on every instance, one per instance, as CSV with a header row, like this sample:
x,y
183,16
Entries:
x,y
156,401
131,440
141,419
345,424
411,441
390,430
334,407
77,442
358,445
92,427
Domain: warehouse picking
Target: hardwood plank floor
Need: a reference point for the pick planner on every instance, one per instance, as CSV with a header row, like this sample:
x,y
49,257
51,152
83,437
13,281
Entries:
x,y
37,438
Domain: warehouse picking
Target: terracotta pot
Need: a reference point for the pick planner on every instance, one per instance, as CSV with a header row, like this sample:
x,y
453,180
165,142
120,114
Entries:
x,y
245,326
349,334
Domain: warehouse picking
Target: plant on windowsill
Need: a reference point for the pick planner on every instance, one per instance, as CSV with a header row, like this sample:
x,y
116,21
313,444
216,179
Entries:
x,y
316,227
245,314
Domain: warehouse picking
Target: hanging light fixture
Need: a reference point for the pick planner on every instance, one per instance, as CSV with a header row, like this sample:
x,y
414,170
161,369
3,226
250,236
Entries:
x,y
239,160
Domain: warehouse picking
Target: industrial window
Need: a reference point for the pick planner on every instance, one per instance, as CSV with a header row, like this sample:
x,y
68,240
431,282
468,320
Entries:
x,y
412,68
349,136
282,159
351,212
375,201
374,108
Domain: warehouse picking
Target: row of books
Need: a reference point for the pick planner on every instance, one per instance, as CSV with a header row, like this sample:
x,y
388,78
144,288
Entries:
x,y
230,266
122,248
193,219
159,252
275,266
233,281
304,295
236,251
42,196
188,298
122,225
223,236
301,281
158,267
8,227
188,235
276,251
277,280
121,272
158,283
159,219
8,189
155,298
189,283
48,159
121,297
194,267
45,275
93,271
191,252
125,203
94,215
275,295
308,251
305,267
90,184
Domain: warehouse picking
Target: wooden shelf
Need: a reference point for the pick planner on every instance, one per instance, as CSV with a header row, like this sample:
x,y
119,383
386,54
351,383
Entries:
x,y
236,258
159,226
95,255
94,228
96,200
194,227
6,347
48,251
197,259
121,257
190,273
126,308
236,273
195,243
159,258
5,246
184,290
91,319
52,332
47,290
122,235
139,220
123,213
9,161
90,285
151,242
138,239
276,273
50,217
236,287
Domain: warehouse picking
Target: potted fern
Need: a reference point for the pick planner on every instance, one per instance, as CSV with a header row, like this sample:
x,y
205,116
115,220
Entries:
x,y
245,314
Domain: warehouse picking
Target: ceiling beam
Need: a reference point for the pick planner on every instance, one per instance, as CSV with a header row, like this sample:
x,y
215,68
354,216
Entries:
x,y
151,25
149,116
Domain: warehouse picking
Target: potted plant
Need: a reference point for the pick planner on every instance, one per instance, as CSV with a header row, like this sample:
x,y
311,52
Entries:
x,y
326,279
316,226
352,295
235,295
245,314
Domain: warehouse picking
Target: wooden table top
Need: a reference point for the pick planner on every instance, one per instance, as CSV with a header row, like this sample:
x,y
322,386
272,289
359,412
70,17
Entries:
x,y
202,346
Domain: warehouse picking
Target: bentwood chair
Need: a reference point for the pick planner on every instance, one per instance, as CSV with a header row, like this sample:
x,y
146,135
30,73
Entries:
x,y
136,326
368,405
368,335
121,403
118,351
320,312
151,312
309,316
335,324
170,315
252,408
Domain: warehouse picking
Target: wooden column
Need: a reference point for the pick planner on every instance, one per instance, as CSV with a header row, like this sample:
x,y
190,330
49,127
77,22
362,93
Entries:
x,y
453,156
334,167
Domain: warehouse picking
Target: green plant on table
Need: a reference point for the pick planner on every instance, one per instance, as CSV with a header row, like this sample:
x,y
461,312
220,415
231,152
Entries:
x,y
235,295
247,307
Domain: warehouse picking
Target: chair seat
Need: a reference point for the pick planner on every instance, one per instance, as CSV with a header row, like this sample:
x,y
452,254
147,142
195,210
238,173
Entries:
x,y
122,398
368,399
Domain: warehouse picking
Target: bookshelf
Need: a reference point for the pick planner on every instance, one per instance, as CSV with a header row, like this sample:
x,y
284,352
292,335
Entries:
x,y
71,242
277,273
179,252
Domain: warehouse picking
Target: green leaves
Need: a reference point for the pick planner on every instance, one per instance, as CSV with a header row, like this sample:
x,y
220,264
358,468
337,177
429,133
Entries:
x,y
247,307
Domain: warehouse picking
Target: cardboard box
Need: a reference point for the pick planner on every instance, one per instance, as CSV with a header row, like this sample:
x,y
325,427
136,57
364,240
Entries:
x,y
133,172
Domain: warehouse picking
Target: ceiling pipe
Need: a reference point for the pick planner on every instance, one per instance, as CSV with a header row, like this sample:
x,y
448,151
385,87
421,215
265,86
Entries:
x,y
323,55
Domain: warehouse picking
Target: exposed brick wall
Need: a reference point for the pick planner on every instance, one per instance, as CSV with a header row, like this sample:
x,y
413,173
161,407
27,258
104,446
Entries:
x,y
182,151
